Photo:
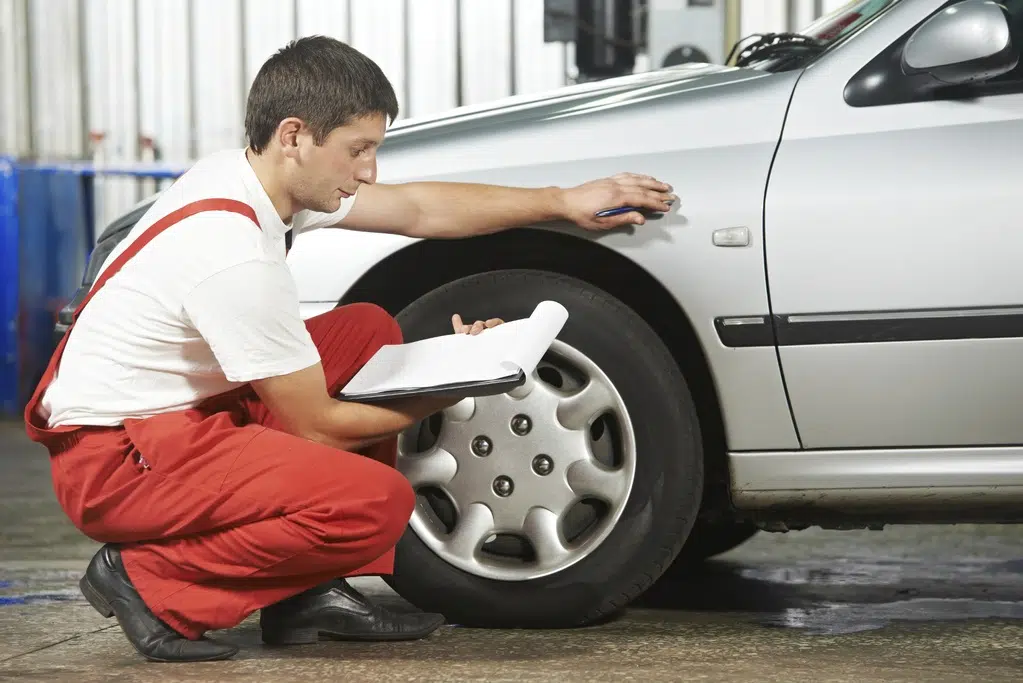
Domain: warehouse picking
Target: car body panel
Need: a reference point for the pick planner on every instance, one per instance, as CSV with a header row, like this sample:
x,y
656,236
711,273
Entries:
x,y
897,212
697,134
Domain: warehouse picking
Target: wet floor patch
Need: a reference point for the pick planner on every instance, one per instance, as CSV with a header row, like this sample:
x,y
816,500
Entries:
x,y
839,595
837,619
39,587
40,598
880,572
879,577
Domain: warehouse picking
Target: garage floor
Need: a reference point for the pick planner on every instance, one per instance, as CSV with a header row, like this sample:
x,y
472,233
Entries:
x,y
906,604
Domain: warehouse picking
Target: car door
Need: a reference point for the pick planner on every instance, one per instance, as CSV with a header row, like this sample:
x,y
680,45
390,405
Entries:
x,y
894,248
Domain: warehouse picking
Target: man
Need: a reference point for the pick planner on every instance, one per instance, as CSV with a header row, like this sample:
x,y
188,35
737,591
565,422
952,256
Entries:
x,y
189,412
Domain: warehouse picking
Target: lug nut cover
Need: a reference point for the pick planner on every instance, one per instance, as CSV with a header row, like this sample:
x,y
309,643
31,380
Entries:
x,y
521,424
503,486
543,465
482,446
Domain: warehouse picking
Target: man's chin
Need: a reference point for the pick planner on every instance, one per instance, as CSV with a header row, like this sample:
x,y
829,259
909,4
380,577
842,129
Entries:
x,y
325,206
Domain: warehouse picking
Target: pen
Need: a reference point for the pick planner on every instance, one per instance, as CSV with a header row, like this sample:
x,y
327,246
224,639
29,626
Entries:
x,y
622,209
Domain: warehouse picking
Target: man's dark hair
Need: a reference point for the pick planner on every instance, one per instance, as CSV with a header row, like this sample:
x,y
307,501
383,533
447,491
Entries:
x,y
320,80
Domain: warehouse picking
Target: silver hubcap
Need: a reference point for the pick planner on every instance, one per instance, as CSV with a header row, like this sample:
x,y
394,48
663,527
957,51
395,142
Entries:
x,y
525,484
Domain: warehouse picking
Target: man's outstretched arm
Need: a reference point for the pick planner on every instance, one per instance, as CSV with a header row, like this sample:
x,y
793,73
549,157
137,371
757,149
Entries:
x,y
451,210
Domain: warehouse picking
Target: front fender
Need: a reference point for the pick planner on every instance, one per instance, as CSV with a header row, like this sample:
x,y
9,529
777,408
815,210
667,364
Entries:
x,y
326,263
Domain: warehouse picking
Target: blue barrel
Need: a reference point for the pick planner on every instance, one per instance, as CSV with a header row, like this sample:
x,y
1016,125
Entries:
x,y
45,239
8,286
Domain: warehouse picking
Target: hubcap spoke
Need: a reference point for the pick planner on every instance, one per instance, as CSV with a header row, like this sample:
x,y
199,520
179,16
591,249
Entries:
x,y
524,390
435,467
587,478
461,411
471,529
576,411
541,528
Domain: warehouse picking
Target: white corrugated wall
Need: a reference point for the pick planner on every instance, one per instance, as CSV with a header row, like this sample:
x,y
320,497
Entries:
x,y
114,78
42,51
14,109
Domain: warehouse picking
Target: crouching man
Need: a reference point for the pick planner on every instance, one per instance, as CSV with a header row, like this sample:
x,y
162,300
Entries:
x,y
188,412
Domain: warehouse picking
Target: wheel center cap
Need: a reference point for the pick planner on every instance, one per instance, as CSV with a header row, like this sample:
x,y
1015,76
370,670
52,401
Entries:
x,y
513,456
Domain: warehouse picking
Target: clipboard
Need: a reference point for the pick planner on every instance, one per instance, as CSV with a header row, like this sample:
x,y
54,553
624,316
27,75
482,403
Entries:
x,y
492,387
493,362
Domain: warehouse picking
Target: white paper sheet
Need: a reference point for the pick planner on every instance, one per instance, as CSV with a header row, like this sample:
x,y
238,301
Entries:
x,y
494,354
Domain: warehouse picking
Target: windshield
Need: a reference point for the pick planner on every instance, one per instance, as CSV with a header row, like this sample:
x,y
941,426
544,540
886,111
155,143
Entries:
x,y
781,51
845,20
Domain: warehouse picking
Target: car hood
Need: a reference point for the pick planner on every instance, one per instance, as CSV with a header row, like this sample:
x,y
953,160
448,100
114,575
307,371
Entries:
x,y
597,97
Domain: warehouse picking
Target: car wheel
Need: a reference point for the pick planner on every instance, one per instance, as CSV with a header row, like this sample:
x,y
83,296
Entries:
x,y
558,503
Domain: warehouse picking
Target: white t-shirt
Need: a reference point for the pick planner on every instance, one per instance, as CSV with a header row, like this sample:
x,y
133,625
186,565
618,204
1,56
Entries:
x,y
207,306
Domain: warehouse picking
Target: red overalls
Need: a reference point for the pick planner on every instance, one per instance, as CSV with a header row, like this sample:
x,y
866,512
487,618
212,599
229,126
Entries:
x,y
217,512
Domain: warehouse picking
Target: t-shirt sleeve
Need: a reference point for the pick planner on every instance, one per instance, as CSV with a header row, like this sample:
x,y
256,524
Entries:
x,y
249,315
313,220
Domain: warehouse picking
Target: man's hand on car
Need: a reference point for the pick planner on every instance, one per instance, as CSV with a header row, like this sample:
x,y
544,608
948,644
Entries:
x,y
583,202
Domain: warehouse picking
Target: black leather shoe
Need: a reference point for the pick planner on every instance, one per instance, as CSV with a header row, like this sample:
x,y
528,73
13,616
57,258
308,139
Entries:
x,y
337,611
108,589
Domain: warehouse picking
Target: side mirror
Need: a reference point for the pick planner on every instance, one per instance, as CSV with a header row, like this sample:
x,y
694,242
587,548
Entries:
x,y
966,42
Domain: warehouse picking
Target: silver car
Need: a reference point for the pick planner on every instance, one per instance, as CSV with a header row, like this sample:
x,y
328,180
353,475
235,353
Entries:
x,y
827,331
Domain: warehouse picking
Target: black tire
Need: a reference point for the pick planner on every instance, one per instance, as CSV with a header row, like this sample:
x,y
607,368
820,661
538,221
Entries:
x,y
668,481
708,539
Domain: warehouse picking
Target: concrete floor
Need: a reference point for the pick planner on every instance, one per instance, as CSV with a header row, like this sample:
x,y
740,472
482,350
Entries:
x,y
906,604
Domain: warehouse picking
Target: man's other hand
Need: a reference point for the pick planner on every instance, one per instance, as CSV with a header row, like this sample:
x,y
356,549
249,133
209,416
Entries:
x,y
476,327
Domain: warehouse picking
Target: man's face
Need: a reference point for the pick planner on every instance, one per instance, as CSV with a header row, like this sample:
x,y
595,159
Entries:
x,y
336,169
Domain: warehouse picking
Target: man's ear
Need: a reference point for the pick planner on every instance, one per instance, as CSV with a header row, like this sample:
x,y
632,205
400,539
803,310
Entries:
x,y
288,132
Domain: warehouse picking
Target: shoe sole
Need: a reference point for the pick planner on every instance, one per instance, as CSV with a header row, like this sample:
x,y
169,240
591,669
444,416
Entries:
x,y
93,597
307,636
100,604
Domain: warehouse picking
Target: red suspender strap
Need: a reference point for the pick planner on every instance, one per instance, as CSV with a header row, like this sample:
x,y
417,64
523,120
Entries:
x,y
35,427
158,227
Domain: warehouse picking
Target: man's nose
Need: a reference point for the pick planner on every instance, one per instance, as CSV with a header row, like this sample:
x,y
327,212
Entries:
x,y
367,173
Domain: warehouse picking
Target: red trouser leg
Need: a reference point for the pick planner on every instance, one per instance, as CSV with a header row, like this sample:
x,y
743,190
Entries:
x,y
223,515
347,337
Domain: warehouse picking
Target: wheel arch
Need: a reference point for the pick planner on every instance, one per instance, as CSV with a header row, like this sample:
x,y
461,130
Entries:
x,y
406,274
